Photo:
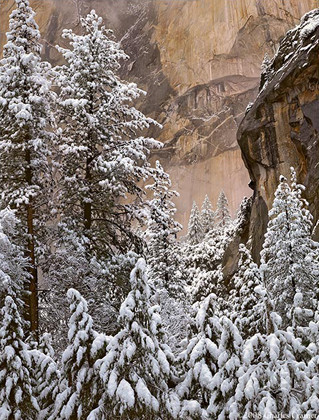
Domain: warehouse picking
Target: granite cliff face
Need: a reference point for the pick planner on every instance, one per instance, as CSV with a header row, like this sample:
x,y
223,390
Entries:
x,y
281,129
200,63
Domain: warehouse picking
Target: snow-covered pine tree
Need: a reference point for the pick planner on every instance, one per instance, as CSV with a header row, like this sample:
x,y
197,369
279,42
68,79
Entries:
x,y
265,63
70,267
103,163
103,155
252,377
45,376
315,260
266,70
213,247
79,385
203,266
203,263
14,276
176,316
195,229
207,215
272,379
242,218
210,252
222,214
200,362
288,268
310,406
25,122
161,232
16,398
137,367
200,258
223,385
248,309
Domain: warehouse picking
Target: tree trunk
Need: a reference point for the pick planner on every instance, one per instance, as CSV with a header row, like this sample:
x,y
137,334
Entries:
x,y
88,205
33,285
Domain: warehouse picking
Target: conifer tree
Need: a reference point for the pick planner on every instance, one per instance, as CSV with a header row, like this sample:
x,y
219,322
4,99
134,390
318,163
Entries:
x,y
16,398
310,406
79,390
103,163
103,155
288,267
222,214
243,215
195,228
176,316
45,376
137,366
14,276
69,267
200,361
207,215
272,380
248,309
203,264
224,383
162,231
25,122
266,70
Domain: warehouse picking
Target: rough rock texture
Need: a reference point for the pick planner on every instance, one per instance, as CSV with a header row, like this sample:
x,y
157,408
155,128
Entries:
x,y
281,129
199,61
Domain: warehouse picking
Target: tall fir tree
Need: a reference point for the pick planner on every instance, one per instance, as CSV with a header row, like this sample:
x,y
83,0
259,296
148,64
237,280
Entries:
x,y
14,275
137,367
103,156
288,267
207,215
79,384
272,380
25,122
176,315
222,214
204,269
162,230
241,220
200,362
16,398
195,229
103,163
224,383
310,406
45,376
248,309
266,70
69,267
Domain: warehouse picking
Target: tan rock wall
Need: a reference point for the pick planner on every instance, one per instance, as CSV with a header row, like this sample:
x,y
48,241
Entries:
x,y
208,39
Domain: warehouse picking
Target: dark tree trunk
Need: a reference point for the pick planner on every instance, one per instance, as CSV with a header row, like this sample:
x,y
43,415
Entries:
x,y
88,177
88,206
33,285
